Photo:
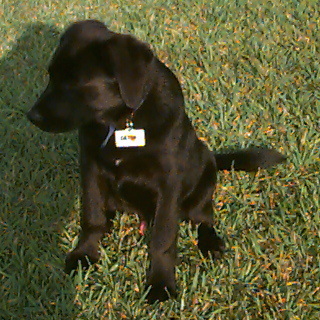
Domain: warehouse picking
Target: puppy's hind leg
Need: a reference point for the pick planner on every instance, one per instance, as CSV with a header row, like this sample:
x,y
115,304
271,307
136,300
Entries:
x,y
208,240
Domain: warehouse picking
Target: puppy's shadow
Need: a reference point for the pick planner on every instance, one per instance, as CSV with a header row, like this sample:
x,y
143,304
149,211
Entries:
x,y
38,187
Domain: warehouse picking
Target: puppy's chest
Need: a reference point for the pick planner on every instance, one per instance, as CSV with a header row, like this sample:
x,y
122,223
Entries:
x,y
127,166
113,165
117,162
134,185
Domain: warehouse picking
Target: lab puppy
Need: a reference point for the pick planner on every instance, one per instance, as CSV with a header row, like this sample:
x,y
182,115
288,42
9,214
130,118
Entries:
x,y
138,150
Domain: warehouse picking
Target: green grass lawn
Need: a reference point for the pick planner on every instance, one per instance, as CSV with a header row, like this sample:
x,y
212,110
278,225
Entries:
x,y
250,71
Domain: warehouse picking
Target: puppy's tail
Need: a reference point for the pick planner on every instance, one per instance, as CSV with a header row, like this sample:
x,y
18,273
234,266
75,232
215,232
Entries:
x,y
249,159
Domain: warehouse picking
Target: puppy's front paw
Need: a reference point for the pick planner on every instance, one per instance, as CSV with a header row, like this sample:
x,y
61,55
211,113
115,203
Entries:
x,y
160,292
76,256
208,241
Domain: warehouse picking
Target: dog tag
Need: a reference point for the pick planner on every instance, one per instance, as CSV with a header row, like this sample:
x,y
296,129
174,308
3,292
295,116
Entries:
x,y
130,138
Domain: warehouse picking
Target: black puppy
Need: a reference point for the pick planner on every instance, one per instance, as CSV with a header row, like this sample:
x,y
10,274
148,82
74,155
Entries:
x,y
100,81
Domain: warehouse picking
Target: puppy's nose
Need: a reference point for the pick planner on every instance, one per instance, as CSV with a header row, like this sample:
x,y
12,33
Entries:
x,y
34,116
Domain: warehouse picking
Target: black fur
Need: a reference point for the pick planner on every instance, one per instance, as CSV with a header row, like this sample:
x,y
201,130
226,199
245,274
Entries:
x,y
98,78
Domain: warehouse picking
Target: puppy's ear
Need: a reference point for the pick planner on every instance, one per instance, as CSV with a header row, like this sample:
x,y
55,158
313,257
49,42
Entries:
x,y
132,61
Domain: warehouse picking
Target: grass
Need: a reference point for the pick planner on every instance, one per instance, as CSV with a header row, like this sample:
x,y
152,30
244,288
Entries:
x,y
251,75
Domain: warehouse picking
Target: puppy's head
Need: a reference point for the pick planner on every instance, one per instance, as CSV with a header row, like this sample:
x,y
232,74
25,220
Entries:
x,y
95,75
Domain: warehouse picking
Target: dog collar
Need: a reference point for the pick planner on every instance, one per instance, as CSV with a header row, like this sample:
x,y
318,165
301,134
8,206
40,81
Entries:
x,y
110,133
129,124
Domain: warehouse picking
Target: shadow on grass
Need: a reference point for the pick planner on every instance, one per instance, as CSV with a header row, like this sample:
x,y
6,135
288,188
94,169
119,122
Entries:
x,y
38,176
